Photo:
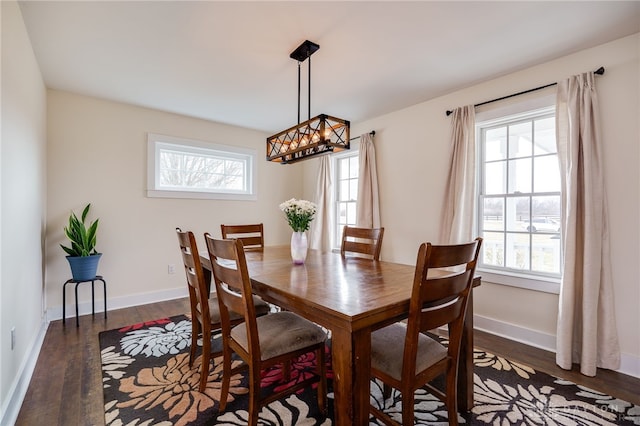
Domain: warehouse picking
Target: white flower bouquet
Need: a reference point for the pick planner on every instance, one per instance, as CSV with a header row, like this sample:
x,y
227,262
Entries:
x,y
299,213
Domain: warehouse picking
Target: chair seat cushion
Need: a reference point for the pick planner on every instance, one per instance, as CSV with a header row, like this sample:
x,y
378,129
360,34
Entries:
x,y
262,308
280,333
387,350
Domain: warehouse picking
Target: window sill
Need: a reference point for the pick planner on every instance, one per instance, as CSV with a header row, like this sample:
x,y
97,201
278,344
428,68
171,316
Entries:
x,y
535,283
200,195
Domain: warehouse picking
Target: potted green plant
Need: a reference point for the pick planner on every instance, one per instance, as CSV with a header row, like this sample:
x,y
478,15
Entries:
x,y
82,255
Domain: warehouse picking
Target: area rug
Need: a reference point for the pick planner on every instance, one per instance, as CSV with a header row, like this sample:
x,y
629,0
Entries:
x,y
147,381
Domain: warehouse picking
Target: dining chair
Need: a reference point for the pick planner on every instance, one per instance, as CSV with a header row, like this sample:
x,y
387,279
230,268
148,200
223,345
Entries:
x,y
262,342
205,311
405,358
252,236
364,242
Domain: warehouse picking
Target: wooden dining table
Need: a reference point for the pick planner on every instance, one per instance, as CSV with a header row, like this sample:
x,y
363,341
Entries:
x,y
351,297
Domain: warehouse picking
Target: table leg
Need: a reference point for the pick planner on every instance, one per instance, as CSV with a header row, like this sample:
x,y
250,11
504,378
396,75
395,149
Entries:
x,y
465,365
207,279
351,367
362,376
342,376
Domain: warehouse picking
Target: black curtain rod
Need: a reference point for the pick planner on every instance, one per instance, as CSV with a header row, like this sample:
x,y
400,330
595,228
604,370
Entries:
x,y
599,71
372,133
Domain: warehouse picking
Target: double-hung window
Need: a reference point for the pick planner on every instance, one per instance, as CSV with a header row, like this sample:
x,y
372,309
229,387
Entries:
x,y
347,172
519,200
182,168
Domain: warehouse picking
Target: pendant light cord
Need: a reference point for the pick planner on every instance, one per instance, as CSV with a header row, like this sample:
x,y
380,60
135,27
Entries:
x,y
309,88
299,91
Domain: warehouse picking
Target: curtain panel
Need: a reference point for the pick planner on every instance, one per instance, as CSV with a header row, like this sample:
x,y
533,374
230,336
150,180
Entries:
x,y
459,204
367,204
586,329
322,225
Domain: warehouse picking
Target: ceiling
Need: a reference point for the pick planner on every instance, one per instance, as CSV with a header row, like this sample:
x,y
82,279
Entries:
x,y
229,61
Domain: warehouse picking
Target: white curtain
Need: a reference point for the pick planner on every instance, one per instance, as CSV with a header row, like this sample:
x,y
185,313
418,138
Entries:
x,y
587,332
367,205
322,225
458,212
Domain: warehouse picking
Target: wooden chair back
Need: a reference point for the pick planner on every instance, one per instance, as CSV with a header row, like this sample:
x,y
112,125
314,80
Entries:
x,y
439,300
233,286
252,236
364,242
198,294
201,311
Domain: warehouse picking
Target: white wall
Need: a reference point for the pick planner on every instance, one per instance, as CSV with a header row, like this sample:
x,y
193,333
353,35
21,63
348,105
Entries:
x,y
97,154
413,154
22,209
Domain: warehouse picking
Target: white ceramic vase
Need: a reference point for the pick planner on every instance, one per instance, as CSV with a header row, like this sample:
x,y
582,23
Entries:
x,y
298,247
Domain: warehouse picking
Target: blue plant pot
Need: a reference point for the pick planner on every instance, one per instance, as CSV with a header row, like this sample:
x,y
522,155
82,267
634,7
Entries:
x,y
84,268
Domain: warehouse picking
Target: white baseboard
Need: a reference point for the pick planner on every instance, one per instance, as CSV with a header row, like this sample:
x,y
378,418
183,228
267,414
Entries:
x,y
629,364
520,334
13,401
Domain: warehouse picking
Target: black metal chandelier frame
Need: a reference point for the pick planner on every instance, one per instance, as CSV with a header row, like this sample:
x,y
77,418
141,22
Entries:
x,y
322,134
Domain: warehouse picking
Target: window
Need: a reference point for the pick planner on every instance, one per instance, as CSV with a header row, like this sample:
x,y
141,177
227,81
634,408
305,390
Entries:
x,y
347,166
519,197
181,168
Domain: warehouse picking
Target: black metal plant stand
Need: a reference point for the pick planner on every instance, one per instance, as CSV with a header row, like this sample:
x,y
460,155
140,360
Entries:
x,y
77,283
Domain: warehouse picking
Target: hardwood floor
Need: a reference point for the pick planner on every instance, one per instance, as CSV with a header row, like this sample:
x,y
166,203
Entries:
x,y
66,387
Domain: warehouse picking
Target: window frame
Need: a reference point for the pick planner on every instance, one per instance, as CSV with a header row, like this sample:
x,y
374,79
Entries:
x,y
157,142
543,282
337,227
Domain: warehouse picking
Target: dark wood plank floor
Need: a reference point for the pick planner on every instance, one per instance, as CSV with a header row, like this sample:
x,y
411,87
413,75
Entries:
x,y
66,387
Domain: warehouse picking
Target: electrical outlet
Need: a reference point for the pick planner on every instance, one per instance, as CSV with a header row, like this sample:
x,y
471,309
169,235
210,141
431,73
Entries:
x,y
13,337
171,268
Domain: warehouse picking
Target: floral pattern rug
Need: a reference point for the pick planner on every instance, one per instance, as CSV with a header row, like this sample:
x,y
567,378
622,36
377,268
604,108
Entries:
x,y
147,381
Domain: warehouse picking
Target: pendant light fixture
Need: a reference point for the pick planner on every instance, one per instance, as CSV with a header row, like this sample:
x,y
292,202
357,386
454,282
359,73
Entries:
x,y
321,134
